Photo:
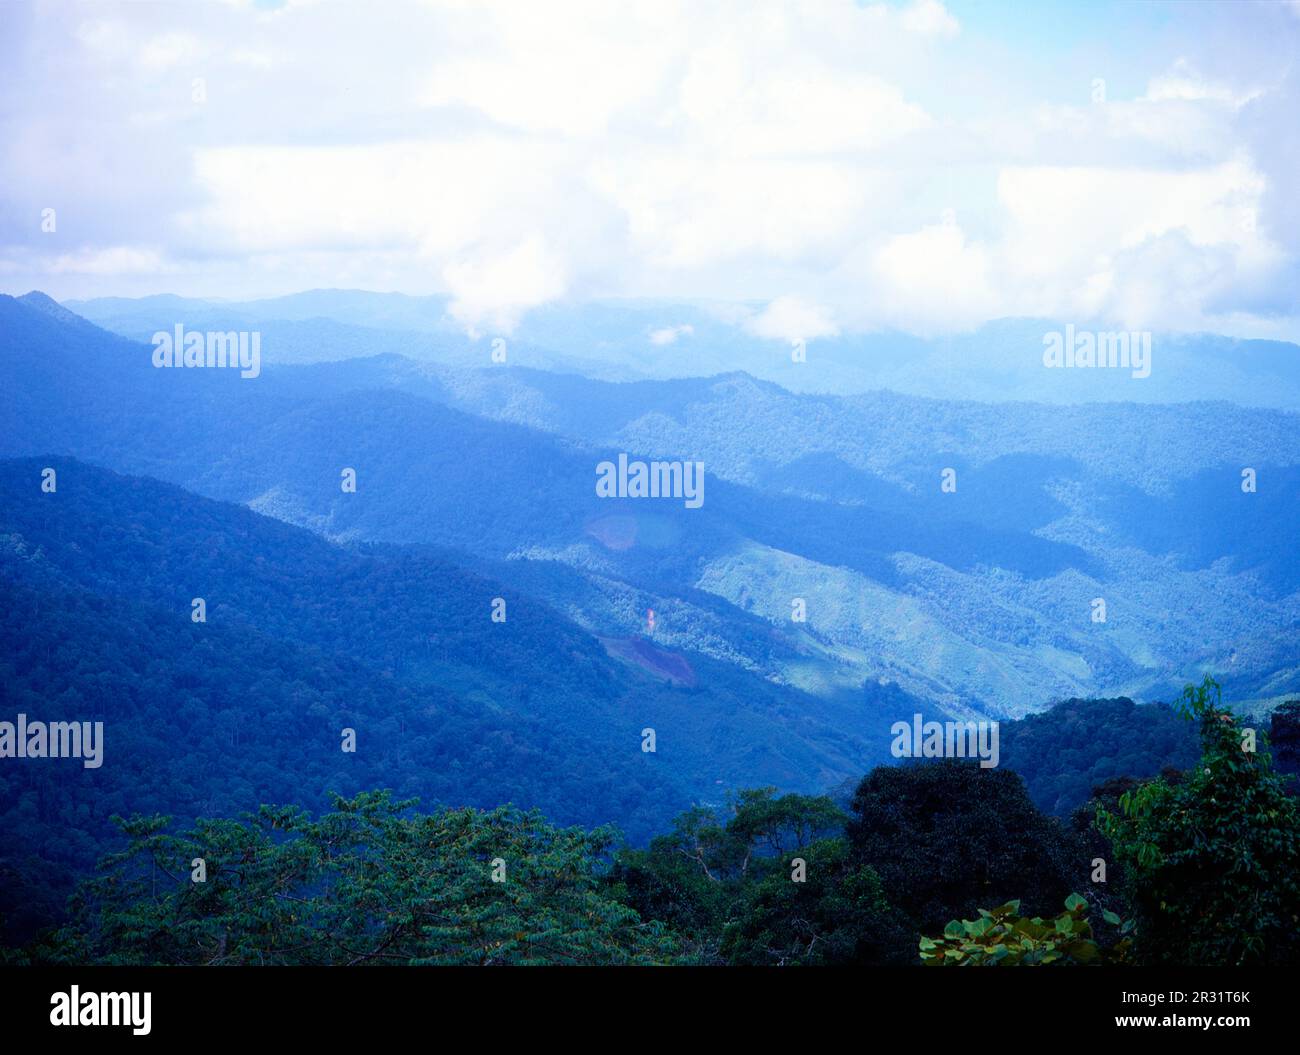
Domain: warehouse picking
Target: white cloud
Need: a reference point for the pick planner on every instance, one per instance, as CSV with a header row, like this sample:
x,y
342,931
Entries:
x,y
1068,229
929,16
494,290
166,50
691,213
796,155
933,279
1183,83
118,260
669,334
743,107
542,69
792,318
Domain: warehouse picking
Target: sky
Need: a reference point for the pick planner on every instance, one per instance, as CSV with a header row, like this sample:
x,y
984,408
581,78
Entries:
x,y
842,167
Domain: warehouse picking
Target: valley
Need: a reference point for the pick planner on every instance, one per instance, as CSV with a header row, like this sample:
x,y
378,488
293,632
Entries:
x,y
977,602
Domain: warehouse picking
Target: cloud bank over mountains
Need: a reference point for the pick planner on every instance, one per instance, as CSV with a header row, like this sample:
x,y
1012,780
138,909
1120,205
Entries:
x,y
840,167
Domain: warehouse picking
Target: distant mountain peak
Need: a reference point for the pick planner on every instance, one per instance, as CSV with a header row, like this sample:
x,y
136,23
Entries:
x,y
47,305
743,381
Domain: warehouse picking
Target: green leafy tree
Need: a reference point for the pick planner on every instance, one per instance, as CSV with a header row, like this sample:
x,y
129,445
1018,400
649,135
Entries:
x,y
367,883
947,836
721,880
1213,862
1284,739
837,914
1001,937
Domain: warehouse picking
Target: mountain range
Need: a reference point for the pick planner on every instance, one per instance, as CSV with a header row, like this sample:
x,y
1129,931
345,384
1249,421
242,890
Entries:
x,y
395,536
622,340
977,600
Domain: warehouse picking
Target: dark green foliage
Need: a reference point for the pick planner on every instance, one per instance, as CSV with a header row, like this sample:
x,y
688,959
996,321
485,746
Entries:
x,y
1075,745
1001,937
692,876
1214,861
1284,738
304,638
366,883
723,881
948,837
216,719
1110,895
767,881
837,915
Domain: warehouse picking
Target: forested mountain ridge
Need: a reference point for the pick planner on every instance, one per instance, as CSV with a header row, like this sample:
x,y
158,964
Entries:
x,y
941,862
302,637
629,340
470,489
976,600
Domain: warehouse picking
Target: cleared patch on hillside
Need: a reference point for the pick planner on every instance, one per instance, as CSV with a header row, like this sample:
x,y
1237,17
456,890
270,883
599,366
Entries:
x,y
666,666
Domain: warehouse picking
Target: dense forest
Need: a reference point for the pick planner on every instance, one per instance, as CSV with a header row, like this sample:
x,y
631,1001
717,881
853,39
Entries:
x,y
970,595
940,863
470,742
711,486
303,639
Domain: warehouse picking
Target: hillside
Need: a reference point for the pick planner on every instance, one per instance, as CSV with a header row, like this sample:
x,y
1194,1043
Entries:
x,y
303,638
629,340
977,600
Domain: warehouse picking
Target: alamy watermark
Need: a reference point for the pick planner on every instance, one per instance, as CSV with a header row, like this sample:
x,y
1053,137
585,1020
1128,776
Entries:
x,y
922,739
24,739
639,479
75,1008
1119,350
241,350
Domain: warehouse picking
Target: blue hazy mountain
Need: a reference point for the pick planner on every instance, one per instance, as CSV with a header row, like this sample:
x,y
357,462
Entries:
x,y
981,600
630,340
304,638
